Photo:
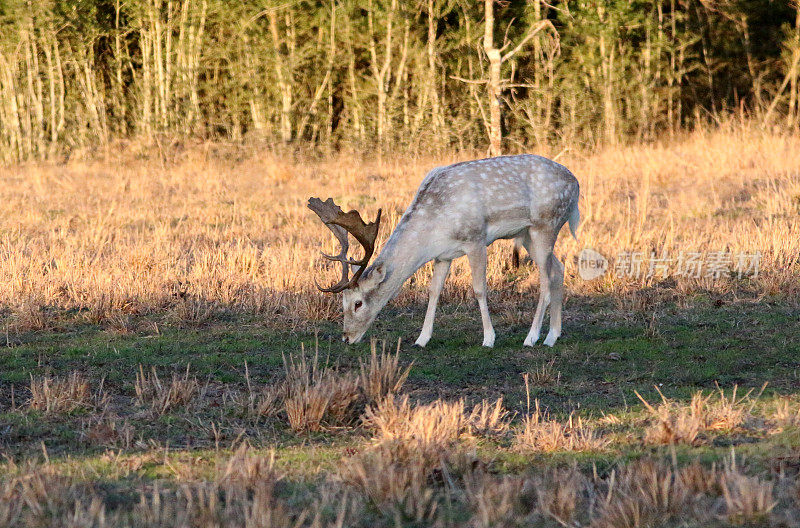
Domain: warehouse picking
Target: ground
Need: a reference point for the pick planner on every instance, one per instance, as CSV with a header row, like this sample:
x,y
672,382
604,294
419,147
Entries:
x,y
167,360
606,356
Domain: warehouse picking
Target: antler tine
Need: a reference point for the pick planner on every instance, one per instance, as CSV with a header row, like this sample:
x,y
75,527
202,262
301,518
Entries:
x,y
342,223
365,234
328,211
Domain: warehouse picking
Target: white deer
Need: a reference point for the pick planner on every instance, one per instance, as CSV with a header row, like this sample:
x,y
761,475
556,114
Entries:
x,y
459,210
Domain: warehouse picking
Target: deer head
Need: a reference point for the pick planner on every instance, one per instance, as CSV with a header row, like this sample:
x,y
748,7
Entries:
x,y
359,311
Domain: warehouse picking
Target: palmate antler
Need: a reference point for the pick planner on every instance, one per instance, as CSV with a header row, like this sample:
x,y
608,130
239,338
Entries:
x,y
341,223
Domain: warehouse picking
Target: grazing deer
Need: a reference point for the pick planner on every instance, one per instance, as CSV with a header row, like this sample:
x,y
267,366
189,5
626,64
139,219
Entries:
x,y
459,210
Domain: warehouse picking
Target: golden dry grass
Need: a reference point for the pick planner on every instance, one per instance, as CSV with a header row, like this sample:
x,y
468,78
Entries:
x,y
540,433
786,413
317,396
543,376
249,469
436,424
162,396
489,418
673,423
382,374
53,394
213,229
394,476
310,388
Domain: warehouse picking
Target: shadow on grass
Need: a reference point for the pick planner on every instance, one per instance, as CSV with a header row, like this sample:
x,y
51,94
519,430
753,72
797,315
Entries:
x,y
604,354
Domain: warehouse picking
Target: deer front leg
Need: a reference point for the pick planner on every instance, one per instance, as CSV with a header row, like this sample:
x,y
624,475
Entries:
x,y
440,270
556,299
477,263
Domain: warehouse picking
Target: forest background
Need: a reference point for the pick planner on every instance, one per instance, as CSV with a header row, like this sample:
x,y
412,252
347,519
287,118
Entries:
x,y
410,76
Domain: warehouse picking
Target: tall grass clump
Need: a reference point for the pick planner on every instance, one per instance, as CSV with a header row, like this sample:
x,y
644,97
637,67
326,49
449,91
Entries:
x,y
396,477
318,396
248,468
540,433
436,424
382,374
161,396
675,423
54,394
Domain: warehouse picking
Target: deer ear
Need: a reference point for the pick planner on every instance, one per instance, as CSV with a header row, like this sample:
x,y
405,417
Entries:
x,y
377,275
373,277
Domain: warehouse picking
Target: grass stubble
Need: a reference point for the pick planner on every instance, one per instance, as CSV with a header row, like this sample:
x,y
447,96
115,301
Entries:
x,y
412,463
108,241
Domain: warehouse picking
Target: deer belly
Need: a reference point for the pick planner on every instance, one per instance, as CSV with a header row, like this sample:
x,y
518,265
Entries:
x,y
507,223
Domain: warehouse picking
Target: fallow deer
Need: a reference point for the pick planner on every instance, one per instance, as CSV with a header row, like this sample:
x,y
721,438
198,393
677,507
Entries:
x,y
459,210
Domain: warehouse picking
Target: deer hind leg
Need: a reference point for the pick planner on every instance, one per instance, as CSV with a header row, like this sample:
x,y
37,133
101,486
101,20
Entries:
x,y
477,263
540,249
516,261
556,300
440,270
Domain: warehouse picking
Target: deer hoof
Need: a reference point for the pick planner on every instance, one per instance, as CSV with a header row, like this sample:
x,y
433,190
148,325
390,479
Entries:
x,y
531,340
550,340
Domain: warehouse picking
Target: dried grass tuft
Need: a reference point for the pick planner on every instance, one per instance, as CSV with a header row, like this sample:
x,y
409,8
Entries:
x,y
53,394
674,423
266,402
544,376
643,493
489,419
382,375
395,475
108,430
785,414
747,499
262,402
162,397
437,424
557,496
317,396
493,501
540,433
32,315
249,469
191,311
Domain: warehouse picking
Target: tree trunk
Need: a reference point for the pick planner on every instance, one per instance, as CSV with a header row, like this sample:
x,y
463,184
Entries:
x,y
493,87
355,104
381,73
281,75
433,93
793,115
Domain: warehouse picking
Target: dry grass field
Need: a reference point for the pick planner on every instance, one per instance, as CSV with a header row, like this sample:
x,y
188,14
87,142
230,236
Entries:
x,y
211,228
168,361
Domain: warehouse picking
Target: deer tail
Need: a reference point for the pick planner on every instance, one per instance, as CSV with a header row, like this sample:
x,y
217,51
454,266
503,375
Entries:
x,y
574,220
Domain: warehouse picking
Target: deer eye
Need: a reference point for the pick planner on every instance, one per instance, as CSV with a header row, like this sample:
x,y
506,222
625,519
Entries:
x,y
357,305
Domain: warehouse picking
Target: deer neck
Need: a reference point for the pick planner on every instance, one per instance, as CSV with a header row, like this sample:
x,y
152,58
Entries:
x,y
402,255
